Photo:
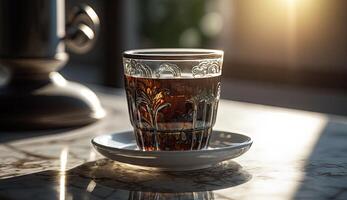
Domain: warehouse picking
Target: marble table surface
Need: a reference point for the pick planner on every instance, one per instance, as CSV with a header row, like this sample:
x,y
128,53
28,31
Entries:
x,y
295,155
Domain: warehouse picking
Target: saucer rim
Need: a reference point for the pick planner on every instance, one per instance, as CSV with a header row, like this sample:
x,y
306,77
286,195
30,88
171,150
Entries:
x,y
246,143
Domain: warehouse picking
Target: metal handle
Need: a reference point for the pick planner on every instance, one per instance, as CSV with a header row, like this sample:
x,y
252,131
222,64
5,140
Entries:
x,y
82,29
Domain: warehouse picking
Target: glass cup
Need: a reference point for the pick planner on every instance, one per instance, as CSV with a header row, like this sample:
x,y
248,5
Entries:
x,y
172,96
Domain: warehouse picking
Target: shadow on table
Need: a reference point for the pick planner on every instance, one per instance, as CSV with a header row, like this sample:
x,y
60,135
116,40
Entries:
x,y
11,135
105,179
326,168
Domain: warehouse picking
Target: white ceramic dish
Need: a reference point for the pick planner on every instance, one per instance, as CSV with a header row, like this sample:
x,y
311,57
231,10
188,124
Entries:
x,y
122,147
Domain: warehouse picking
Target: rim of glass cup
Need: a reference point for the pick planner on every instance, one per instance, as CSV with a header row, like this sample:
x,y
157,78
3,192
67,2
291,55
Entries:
x,y
173,54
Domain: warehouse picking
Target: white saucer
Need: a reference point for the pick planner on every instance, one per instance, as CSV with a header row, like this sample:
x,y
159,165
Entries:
x,y
122,147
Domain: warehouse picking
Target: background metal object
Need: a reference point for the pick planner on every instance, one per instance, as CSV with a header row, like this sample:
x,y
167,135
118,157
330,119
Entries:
x,y
82,29
32,48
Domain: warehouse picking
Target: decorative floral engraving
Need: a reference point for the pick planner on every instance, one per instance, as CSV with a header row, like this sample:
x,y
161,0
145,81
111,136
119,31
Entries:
x,y
133,67
145,103
206,67
151,101
168,67
208,99
137,68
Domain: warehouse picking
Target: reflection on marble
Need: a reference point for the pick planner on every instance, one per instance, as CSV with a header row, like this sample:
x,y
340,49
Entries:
x,y
129,177
139,195
114,180
295,155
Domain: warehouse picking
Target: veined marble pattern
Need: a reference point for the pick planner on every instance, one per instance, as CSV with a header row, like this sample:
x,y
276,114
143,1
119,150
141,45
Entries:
x,y
295,155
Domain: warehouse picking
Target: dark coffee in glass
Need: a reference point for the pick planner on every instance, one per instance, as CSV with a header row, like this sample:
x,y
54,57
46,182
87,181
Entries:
x,y
172,98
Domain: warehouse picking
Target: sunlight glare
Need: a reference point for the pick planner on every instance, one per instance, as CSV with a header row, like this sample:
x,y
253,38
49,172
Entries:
x,y
283,140
291,31
290,2
92,155
63,162
91,186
